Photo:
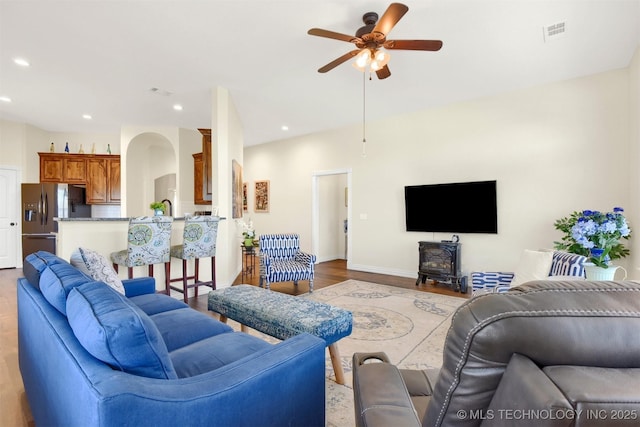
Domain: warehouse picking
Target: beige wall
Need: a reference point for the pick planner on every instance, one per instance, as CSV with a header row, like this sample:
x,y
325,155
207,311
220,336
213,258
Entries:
x,y
190,142
634,157
553,149
20,144
227,142
101,141
12,137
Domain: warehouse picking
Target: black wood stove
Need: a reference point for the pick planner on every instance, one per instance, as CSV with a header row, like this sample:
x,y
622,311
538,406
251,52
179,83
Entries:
x,y
441,263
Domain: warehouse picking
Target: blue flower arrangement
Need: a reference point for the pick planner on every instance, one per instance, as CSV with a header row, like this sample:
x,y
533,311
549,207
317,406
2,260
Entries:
x,y
585,232
600,233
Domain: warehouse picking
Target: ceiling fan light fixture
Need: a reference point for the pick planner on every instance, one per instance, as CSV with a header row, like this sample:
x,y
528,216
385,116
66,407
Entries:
x,y
371,42
363,59
380,59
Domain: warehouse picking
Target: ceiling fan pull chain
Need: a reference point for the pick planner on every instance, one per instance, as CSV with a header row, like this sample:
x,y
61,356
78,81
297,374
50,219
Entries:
x,y
364,111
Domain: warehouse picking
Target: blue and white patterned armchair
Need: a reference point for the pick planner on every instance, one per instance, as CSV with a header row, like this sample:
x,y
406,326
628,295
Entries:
x,y
281,260
148,243
562,264
198,241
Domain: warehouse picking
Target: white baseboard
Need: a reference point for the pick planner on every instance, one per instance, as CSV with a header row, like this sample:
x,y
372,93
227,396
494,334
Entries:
x,y
329,258
381,270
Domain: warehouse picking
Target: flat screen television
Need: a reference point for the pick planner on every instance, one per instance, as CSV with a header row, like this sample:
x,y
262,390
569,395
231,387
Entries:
x,y
462,207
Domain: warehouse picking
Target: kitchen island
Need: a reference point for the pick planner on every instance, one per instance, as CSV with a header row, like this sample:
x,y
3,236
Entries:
x,y
107,235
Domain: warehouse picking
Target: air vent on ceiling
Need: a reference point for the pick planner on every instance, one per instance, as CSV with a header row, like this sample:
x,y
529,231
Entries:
x,y
159,91
554,31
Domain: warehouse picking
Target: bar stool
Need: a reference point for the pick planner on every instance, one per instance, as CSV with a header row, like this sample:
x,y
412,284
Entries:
x,y
148,243
199,241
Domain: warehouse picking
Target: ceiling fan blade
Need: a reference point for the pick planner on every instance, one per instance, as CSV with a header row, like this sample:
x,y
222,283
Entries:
x,y
333,64
431,45
332,35
383,72
390,18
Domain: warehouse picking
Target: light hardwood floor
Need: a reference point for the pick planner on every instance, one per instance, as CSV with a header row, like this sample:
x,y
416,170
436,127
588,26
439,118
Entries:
x,y
14,408
13,402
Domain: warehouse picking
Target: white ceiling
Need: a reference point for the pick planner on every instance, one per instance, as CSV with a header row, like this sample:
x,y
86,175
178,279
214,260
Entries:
x,y
103,57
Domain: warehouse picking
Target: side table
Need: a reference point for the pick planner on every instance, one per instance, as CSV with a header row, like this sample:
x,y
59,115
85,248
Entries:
x,y
248,260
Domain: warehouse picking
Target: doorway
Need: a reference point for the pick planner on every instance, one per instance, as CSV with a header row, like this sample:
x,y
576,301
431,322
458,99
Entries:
x,y
331,214
9,218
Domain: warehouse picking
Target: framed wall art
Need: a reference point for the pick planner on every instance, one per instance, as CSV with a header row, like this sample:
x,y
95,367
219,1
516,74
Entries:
x,y
262,196
236,190
245,199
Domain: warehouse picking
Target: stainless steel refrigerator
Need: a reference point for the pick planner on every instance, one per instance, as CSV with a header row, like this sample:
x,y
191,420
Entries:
x,y
43,202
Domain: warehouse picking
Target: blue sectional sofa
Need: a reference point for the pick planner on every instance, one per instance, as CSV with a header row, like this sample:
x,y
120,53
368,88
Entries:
x,y
91,356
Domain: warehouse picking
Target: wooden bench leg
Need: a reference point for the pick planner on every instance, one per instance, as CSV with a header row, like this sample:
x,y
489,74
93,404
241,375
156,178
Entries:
x,y
336,362
243,328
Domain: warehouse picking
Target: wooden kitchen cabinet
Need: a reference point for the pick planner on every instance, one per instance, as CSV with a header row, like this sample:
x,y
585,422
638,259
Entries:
x,y
99,172
113,180
198,181
207,168
103,180
63,168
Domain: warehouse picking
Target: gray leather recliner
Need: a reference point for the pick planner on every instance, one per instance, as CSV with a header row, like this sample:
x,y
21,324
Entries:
x,y
547,353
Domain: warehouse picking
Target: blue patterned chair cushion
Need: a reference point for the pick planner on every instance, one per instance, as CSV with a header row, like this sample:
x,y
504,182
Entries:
x,y
117,332
281,260
148,242
281,315
198,238
562,264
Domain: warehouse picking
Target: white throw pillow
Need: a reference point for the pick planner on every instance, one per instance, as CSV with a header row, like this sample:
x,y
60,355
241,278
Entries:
x,y
533,265
77,261
96,266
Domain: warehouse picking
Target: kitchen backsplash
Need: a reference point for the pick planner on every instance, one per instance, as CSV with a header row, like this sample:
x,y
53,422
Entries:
x,y
105,211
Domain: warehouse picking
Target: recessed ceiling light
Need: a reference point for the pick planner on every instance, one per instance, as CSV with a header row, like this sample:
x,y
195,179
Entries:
x,y
5,99
87,116
21,62
177,107
284,127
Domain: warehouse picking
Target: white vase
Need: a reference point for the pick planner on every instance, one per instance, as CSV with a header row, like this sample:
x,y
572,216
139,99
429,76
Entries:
x,y
593,272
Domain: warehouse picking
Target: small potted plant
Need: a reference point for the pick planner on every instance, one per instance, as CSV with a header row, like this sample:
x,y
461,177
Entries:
x,y
248,233
158,208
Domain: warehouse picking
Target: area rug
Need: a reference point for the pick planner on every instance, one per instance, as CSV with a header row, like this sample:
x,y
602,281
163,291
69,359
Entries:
x,y
409,326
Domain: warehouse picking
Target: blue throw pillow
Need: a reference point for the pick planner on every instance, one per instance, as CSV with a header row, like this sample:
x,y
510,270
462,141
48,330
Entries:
x,y
57,280
35,263
32,268
117,332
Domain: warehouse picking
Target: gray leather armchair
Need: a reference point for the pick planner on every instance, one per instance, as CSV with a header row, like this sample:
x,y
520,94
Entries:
x,y
543,354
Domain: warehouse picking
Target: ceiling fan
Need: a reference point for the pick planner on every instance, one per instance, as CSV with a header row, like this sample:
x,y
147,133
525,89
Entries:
x,y
371,39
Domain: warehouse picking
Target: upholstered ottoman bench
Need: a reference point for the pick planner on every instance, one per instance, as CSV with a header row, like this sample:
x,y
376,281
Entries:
x,y
283,316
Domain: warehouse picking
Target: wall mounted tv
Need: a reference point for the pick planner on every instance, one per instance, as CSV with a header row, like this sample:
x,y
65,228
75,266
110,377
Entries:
x,y
462,207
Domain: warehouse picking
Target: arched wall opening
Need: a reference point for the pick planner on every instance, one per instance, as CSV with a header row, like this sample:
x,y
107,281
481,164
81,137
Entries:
x,y
149,156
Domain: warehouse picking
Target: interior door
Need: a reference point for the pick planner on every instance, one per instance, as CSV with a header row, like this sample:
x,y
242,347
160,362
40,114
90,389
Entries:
x,y
9,228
